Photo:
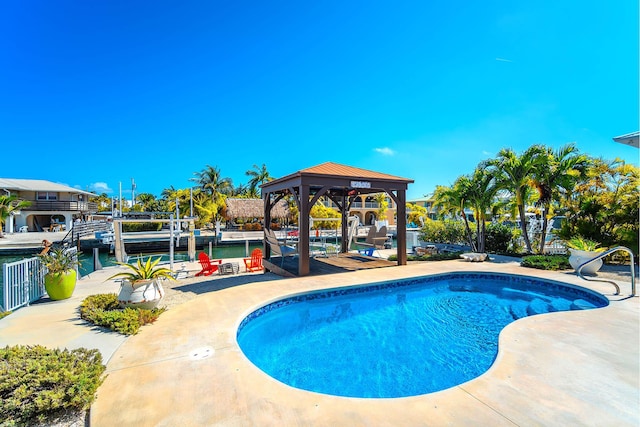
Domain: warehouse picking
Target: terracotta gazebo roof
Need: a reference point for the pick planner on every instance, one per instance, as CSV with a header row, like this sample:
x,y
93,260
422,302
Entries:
x,y
340,177
253,208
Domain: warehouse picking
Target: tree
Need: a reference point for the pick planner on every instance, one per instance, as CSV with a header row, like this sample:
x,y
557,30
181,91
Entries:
x,y
416,214
453,200
514,173
259,175
555,177
147,202
604,206
103,201
383,205
217,187
9,204
481,189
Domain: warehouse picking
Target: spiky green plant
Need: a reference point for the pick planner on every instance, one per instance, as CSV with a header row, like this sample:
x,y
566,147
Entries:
x,y
143,271
581,244
59,260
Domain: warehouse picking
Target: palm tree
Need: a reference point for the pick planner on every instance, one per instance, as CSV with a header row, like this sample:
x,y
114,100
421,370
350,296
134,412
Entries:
x,y
453,200
259,175
147,202
514,174
481,189
556,176
103,201
9,204
212,183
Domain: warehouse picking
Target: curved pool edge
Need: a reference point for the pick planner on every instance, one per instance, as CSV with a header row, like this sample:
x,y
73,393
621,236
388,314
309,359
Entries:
x,y
227,389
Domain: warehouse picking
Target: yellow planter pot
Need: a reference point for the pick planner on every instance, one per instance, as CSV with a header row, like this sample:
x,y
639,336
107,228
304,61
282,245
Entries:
x,y
60,285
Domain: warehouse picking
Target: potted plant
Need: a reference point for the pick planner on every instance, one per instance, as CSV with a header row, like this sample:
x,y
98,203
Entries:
x,y
582,250
61,277
141,287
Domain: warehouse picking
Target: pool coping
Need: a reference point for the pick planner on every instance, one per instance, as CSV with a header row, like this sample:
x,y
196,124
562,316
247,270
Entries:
x,y
188,369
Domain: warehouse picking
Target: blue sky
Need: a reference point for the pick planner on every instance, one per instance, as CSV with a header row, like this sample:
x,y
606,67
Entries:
x,y
94,93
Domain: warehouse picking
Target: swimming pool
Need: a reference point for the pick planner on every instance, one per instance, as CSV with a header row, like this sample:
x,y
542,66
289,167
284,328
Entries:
x,y
398,339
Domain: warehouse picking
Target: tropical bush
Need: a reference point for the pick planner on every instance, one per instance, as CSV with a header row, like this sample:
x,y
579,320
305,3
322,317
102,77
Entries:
x,y
498,237
104,310
40,385
443,231
141,226
546,262
581,244
604,207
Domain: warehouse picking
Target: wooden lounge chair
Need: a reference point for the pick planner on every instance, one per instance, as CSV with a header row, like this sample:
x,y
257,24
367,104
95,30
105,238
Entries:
x,y
277,248
209,266
375,240
255,262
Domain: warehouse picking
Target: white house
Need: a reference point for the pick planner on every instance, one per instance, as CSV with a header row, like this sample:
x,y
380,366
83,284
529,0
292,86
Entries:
x,y
53,206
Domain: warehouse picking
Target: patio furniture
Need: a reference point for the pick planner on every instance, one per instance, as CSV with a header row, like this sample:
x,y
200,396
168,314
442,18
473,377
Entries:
x,y
229,268
208,266
277,248
255,262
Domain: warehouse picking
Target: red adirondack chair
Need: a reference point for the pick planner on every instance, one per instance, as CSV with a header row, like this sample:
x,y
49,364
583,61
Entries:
x,y
255,262
209,266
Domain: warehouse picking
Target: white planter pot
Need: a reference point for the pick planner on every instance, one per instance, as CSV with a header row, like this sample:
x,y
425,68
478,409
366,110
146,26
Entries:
x,y
578,257
144,294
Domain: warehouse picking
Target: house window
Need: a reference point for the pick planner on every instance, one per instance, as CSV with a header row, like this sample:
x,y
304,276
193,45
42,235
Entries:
x,y
45,195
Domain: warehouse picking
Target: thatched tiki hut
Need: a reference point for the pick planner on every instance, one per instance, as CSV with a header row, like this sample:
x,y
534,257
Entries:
x,y
250,210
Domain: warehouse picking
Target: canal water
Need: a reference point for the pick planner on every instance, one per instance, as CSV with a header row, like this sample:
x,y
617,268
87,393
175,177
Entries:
x,y
108,259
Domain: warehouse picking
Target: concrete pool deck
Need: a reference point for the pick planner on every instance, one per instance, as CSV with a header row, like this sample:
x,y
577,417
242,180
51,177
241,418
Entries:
x,y
557,369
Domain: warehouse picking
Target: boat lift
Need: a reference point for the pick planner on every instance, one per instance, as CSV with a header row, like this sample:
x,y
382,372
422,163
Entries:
x,y
174,237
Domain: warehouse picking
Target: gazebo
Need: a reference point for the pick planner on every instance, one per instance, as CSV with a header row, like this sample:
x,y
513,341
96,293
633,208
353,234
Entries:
x,y
341,184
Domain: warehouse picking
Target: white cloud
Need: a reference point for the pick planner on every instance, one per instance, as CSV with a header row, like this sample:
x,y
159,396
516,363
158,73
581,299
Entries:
x,y
386,151
100,187
503,60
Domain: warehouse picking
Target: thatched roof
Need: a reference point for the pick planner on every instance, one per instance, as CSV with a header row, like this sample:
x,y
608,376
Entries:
x,y
254,208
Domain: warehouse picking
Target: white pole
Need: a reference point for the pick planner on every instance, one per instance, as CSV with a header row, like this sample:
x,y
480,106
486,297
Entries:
x,y
191,203
120,198
171,242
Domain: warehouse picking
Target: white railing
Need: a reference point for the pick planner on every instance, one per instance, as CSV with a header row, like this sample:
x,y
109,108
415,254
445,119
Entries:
x,y
23,282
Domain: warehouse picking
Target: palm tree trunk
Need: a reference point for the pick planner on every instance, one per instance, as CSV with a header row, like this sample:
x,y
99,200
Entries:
x,y
469,236
523,227
482,237
545,223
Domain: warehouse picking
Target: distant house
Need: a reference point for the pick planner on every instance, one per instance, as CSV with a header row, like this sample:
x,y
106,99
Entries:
x,y
53,206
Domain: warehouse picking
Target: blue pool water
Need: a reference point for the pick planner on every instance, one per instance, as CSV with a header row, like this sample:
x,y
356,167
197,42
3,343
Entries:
x,y
398,339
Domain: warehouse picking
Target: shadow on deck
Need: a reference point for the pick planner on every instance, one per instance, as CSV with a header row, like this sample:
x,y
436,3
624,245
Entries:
x,y
341,263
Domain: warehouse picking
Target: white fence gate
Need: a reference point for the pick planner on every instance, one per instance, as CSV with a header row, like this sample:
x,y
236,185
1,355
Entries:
x,y
23,282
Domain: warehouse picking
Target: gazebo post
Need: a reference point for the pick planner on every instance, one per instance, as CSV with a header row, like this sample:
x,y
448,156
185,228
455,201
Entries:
x,y
303,240
345,226
266,249
401,224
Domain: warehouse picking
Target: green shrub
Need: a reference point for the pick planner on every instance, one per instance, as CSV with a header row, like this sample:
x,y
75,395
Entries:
x,y
38,384
447,231
133,227
546,262
104,310
498,237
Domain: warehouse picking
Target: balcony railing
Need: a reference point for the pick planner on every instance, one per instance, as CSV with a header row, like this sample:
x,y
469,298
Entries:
x,y
51,205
